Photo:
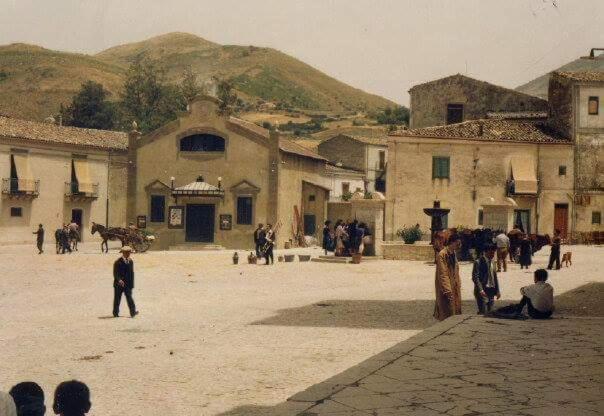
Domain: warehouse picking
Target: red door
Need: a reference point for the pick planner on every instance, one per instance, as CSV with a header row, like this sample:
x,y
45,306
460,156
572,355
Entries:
x,y
561,219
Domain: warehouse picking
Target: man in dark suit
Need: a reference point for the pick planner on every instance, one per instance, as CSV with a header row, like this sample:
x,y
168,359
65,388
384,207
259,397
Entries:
x,y
123,282
486,284
258,237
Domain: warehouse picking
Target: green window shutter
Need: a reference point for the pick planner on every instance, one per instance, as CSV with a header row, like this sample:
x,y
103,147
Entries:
x,y
434,167
445,173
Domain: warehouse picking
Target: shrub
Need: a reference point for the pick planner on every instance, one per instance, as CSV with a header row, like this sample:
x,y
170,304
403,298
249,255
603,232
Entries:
x,y
410,234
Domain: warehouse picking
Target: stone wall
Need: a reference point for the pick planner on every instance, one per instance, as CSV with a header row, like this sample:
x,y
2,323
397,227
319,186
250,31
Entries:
x,y
429,101
342,149
398,250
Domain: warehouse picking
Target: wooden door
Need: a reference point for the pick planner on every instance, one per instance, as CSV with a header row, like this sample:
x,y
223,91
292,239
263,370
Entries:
x,y
199,222
561,219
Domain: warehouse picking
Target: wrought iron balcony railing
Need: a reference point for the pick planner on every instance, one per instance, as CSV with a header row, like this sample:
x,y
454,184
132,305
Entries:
x,y
20,187
81,190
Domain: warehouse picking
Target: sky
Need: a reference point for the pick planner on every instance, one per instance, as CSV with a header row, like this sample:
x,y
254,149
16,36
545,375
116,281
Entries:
x,y
381,46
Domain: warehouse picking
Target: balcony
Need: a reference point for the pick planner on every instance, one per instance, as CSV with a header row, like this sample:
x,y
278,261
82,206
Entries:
x,y
20,188
81,191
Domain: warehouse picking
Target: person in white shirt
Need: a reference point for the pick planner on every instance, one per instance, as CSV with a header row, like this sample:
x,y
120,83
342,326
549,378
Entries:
x,y
503,245
538,299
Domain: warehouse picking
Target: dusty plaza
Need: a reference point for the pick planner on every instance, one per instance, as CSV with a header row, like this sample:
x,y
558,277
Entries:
x,y
214,338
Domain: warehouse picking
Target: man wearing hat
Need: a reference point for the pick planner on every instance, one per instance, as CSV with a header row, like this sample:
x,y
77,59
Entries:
x,y
123,282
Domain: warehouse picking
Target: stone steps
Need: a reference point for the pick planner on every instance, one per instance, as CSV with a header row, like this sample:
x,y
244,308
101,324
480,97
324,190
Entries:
x,y
196,247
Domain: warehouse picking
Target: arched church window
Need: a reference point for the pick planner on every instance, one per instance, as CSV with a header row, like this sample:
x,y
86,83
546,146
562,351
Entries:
x,y
202,143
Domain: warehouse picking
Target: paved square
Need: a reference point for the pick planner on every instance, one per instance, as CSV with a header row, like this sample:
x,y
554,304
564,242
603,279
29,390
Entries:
x,y
212,337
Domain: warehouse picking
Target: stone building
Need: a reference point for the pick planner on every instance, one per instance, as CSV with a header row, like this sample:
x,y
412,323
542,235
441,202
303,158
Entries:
x,y
207,178
365,154
469,166
577,111
53,174
458,98
344,182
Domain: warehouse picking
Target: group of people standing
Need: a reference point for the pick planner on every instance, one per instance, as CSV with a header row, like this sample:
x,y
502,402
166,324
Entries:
x,y
522,249
66,237
345,238
264,241
538,298
71,398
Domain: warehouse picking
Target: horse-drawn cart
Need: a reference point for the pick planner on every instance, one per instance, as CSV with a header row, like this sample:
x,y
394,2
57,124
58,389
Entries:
x,y
139,240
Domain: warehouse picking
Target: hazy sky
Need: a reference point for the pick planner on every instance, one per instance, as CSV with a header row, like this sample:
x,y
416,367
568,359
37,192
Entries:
x,y
381,46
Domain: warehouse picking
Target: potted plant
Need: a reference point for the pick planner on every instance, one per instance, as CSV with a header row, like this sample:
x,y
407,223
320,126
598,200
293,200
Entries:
x,y
410,234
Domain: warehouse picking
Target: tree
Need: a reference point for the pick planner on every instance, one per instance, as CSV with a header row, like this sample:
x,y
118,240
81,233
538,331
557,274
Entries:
x,y
396,116
189,87
227,97
90,108
147,99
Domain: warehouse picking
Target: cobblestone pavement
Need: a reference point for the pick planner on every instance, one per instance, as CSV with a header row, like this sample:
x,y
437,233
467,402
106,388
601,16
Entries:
x,y
469,365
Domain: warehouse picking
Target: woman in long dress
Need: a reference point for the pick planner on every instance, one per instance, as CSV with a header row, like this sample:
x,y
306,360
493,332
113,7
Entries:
x,y
327,237
526,252
341,236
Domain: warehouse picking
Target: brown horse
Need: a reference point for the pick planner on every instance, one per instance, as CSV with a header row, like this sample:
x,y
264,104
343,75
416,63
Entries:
x,y
111,233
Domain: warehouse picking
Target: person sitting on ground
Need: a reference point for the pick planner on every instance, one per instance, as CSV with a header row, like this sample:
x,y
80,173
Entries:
x,y
486,284
538,298
7,405
72,398
29,399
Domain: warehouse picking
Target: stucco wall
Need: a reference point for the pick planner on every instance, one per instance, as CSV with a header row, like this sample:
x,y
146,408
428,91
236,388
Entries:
x,y
336,181
411,187
429,101
585,120
51,165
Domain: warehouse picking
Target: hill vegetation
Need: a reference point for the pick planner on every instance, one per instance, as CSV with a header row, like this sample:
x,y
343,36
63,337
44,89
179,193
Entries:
x,y
35,81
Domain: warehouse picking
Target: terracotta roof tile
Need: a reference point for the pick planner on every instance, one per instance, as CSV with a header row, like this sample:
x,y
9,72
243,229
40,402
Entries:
x,y
597,76
490,130
51,133
516,115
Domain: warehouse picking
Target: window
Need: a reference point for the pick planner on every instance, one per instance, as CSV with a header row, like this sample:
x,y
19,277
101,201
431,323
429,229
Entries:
x,y
480,217
345,188
380,185
561,170
244,210
593,105
16,212
440,167
596,217
158,208
454,113
382,163
311,198
202,143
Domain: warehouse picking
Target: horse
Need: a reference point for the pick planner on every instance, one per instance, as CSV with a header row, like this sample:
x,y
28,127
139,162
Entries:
x,y
74,236
111,233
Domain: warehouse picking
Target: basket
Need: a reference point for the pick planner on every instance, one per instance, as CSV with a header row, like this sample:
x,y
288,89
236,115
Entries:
x,y
304,257
356,258
289,258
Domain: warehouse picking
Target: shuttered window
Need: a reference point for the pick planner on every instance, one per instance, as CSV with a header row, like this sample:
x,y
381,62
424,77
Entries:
x,y
158,208
244,210
440,167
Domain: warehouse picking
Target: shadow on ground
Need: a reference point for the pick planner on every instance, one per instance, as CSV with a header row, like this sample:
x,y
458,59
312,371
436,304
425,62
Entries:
x,y
372,314
586,300
251,411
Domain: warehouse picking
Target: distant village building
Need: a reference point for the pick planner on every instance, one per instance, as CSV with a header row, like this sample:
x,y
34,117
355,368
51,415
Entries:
x,y
577,111
459,98
364,154
344,182
539,174
207,178
53,175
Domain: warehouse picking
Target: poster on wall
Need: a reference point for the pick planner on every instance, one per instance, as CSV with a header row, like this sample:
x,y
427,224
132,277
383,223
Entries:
x,y
226,221
176,217
141,221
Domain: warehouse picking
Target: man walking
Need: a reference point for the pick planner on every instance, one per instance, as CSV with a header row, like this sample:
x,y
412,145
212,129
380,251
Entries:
x,y
503,245
123,282
258,238
554,255
486,285
447,282
40,238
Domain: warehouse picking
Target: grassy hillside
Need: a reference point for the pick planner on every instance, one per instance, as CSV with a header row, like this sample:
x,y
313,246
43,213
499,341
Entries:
x,y
538,87
34,81
258,73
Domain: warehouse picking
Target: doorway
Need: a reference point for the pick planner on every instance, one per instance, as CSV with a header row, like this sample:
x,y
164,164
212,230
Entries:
x,y
199,220
561,219
76,216
310,224
522,220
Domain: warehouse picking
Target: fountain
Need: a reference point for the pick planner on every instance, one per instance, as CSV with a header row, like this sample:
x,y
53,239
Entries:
x,y
436,213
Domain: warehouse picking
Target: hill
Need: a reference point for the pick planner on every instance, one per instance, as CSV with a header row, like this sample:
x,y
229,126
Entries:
x,y
34,81
538,87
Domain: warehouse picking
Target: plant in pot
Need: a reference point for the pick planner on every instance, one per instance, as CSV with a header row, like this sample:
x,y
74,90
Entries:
x,y
410,234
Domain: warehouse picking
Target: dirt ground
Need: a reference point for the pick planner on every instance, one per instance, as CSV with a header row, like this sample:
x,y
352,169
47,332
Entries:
x,y
212,336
